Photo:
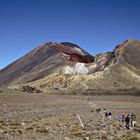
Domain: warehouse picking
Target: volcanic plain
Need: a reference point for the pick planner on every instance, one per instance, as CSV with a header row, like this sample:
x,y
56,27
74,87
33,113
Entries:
x,y
37,116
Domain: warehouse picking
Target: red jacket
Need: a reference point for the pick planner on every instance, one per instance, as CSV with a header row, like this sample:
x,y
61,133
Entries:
x,y
123,117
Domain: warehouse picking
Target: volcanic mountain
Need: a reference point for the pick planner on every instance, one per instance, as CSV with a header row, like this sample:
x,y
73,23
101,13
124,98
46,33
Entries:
x,y
66,68
42,61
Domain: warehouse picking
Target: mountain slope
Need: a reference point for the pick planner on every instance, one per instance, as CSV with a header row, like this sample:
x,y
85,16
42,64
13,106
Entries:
x,y
116,72
66,68
36,64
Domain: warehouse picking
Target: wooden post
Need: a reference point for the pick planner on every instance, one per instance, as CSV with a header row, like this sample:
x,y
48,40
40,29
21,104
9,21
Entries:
x,y
82,125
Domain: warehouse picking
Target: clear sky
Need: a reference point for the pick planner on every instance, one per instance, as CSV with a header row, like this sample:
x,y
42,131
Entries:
x,y
95,25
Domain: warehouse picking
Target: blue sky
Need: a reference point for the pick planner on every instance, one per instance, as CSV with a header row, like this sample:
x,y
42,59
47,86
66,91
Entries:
x,y
95,25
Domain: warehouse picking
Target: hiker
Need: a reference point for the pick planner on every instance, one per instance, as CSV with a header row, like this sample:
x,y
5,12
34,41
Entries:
x,y
106,114
98,110
132,115
109,115
127,120
123,117
115,115
104,110
119,117
133,120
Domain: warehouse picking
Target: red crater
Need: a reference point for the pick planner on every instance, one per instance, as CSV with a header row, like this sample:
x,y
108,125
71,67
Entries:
x,y
75,53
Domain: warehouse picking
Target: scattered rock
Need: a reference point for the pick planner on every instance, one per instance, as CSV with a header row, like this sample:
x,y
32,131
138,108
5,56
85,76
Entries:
x,y
30,89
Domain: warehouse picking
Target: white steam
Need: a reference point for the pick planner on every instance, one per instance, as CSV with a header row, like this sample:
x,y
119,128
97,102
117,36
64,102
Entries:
x,y
79,68
68,70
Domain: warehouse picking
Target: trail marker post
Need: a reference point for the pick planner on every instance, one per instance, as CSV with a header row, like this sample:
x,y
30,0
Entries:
x,y
82,125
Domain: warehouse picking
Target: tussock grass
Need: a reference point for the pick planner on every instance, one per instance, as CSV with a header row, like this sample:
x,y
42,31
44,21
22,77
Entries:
x,y
42,130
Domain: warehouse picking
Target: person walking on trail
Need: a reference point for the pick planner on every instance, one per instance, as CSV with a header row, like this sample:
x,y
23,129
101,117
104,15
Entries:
x,y
106,114
115,115
109,115
127,121
132,116
123,117
119,117
133,120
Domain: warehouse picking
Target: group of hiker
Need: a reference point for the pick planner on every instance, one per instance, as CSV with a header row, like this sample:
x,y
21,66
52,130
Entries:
x,y
129,120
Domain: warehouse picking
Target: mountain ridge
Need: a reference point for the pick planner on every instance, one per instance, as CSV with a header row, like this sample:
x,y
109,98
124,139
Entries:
x,y
68,68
